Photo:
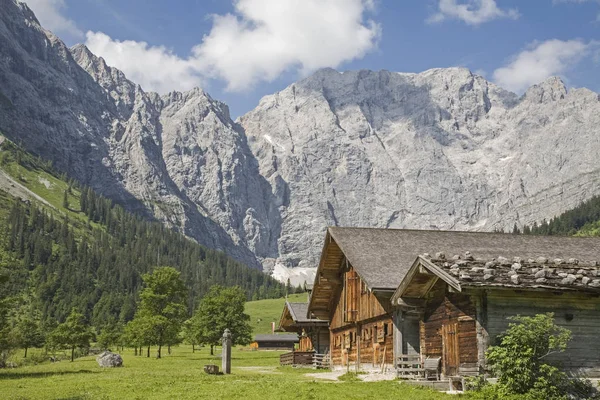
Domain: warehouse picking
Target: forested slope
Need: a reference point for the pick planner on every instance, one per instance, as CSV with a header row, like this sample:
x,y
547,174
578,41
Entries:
x,y
77,249
583,220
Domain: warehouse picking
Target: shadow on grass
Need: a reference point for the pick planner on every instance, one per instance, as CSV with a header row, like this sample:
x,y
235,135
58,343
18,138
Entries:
x,y
17,375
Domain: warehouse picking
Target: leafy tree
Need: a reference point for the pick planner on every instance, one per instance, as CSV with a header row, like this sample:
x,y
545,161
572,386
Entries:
x,y
520,360
111,335
27,332
222,308
162,307
73,333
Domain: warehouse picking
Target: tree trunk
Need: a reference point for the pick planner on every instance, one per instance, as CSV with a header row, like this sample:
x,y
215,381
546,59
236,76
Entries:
x,y
148,352
135,351
169,349
193,348
158,354
212,353
72,353
141,352
25,356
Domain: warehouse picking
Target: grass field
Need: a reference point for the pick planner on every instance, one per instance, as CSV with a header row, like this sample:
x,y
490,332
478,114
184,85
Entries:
x,y
263,312
255,375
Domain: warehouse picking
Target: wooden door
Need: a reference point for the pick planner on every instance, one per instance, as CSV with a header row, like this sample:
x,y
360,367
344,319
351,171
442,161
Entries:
x,y
450,351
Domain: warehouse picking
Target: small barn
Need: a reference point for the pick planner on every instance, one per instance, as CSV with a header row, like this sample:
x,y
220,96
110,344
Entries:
x,y
281,341
454,309
313,334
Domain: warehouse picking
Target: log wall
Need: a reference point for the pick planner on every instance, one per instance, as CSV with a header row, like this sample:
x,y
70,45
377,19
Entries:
x,y
360,325
374,338
580,313
447,309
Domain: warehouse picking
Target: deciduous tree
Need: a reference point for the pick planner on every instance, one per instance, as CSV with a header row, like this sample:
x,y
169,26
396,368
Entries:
x,y
162,307
222,308
71,334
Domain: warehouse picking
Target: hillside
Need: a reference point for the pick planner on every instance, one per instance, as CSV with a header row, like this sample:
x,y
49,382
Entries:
x,y
263,312
69,247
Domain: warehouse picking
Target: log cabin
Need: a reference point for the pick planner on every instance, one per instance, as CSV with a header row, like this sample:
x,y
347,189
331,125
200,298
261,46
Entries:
x,y
361,268
313,334
461,306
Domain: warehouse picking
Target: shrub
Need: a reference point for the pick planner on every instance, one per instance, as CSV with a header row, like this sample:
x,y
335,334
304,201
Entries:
x,y
521,363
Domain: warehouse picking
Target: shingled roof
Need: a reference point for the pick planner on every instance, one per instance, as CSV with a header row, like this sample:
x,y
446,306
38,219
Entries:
x,y
382,257
517,273
295,316
282,337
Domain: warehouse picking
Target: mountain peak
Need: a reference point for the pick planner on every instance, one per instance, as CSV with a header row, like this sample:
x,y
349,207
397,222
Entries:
x,y
552,89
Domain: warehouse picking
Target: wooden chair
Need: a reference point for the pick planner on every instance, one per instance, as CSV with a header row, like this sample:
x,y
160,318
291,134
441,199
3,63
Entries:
x,y
432,365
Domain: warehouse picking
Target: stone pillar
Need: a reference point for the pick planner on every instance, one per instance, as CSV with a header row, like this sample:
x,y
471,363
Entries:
x,y
226,352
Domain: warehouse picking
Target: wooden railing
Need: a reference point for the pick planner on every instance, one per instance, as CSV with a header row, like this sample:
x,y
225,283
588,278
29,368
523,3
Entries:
x,y
297,358
408,366
287,358
321,361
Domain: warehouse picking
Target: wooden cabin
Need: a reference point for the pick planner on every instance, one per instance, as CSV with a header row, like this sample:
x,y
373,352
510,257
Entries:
x,y
313,334
459,307
282,341
361,268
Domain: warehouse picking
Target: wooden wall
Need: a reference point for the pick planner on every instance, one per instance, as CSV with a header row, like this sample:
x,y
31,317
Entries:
x,y
374,338
355,303
360,319
450,317
577,312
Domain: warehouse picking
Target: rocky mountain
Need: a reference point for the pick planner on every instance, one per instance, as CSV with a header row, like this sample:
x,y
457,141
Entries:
x,y
442,149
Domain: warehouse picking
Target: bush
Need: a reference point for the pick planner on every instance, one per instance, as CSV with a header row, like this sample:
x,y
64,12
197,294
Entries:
x,y
520,362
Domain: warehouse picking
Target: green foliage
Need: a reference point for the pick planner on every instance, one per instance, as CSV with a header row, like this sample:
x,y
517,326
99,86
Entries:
x,y
28,331
92,258
110,335
221,308
520,360
71,334
162,308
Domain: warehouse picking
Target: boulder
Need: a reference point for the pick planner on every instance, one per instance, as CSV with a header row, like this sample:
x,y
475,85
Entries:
x,y
211,369
108,359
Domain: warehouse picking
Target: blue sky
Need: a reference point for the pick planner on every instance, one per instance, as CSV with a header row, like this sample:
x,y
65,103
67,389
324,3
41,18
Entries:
x,y
175,45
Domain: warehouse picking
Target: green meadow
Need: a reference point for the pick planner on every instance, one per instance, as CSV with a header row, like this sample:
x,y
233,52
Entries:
x,y
263,312
180,375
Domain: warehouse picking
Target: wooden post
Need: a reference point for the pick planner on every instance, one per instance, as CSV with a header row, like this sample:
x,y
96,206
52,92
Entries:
x,y
481,328
358,342
226,352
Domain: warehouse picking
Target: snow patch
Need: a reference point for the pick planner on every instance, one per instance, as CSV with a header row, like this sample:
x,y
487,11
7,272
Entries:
x,y
297,276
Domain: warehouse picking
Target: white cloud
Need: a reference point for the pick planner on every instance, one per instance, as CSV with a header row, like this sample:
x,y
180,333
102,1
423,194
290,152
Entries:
x,y
541,61
265,38
50,15
472,12
154,68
